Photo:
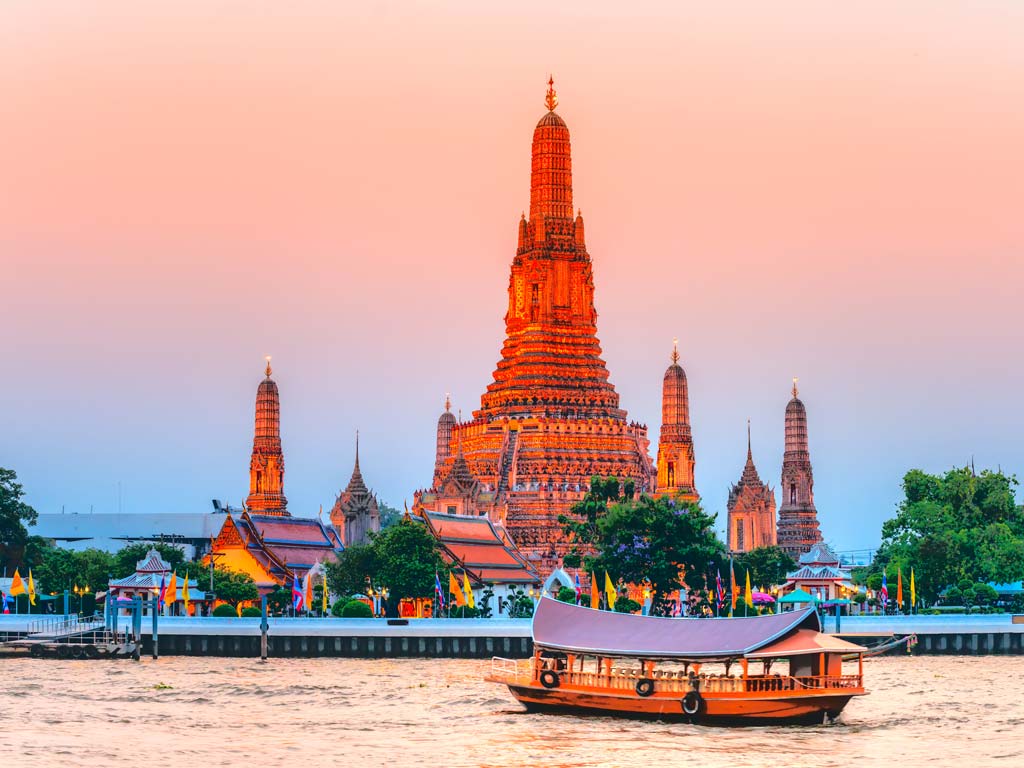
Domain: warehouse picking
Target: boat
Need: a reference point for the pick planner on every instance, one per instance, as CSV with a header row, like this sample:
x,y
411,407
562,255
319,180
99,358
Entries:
x,y
778,668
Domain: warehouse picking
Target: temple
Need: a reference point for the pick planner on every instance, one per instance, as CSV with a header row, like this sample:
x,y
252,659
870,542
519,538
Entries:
x,y
798,518
675,443
266,469
751,509
550,419
356,514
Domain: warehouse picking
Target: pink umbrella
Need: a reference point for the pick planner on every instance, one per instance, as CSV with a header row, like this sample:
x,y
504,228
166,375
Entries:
x,y
762,597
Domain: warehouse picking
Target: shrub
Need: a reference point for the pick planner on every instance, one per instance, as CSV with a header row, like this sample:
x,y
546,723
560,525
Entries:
x,y
339,606
625,605
225,609
251,612
356,609
566,595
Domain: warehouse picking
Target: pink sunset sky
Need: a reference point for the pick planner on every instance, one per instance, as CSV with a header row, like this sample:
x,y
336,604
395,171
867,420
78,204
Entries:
x,y
832,191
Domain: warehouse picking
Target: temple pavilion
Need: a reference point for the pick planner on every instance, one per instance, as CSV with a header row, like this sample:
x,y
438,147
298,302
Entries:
x,y
151,572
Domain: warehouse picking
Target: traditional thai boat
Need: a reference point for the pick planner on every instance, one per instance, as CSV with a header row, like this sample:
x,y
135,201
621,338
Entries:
x,y
589,661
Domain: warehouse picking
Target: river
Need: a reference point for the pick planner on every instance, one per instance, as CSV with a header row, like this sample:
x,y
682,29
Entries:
x,y
203,711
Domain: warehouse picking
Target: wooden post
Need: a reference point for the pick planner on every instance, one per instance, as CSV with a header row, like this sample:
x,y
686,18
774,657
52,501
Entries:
x,y
156,641
264,626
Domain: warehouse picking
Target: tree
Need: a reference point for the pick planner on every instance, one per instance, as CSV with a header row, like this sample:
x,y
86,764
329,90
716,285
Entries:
x,y
661,540
346,575
388,515
407,559
767,566
566,595
520,604
127,559
233,586
14,513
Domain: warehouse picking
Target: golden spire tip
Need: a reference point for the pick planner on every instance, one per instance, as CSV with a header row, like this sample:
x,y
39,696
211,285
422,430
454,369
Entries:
x,y
447,402
795,380
551,100
269,371
675,351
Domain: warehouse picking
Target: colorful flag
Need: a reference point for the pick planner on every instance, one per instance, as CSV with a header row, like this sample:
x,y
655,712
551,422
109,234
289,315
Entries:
x,y
323,596
439,591
468,590
184,593
719,590
238,610
899,587
883,593
733,590
748,596
595,593
162,593
296,594
307,590
579,590
31,588
172,587
913,589
609,590
455,590
6,602
17,585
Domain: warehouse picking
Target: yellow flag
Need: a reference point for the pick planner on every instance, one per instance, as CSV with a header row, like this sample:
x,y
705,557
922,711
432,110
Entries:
x,y
184,593
323,597
17,585
595,593
31,588
609,590
913,589
468,590
455,590
172,589
748,596
238,610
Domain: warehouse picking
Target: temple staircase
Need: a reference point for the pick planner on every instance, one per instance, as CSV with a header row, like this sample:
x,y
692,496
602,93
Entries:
x,y
507,460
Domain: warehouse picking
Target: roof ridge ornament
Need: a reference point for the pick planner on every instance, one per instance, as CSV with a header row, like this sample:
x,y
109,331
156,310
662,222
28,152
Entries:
x,y
675,351
551,99
795,391
269,370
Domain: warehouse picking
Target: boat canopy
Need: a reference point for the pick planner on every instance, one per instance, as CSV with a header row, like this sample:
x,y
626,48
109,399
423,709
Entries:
x,y
804,642
564,627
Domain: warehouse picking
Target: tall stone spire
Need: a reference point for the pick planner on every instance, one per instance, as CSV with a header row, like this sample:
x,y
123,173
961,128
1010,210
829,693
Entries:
x,y
551,168
675,445
266,468
445,425
356,514
798,517
751,509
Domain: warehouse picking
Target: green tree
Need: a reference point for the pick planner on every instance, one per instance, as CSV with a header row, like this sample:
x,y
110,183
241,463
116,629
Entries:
x,y
233,586
566,595
767,566
14,516
407,558
520,604
346,575
127,559
389,515
581,525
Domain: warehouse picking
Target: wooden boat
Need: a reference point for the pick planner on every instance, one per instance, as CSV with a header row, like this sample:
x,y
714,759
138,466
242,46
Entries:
x,y
598,662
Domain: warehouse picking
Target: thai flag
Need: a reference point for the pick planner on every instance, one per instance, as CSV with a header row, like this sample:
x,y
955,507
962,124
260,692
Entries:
x,y
883,593
579,590
439,591
163,592
719,590
296,594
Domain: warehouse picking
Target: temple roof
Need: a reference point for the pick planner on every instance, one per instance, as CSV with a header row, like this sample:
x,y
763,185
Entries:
x,y
286,545
819,554
480,547
551,118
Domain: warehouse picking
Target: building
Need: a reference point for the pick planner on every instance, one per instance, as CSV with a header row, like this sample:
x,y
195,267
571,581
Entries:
x,y
485,552
821,574
675,444
356,514
151,573
190,531
551,418
266,469
798,529
751,509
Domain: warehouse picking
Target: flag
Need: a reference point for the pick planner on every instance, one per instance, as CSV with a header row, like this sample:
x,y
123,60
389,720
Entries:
x,y
732,587
17,585
7,602
468,590
719,590
238,610
439,591
883,593
748,596
455,590
307,591
296,594
31,588
184,593
899,587
579,590
172,587
323,596
609,590
913,589
162,593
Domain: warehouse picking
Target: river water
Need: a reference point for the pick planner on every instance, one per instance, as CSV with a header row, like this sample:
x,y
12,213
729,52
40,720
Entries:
x,y
963,711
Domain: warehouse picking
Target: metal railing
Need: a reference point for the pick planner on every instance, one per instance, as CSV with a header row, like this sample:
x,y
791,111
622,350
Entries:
x,y
511,670
59,626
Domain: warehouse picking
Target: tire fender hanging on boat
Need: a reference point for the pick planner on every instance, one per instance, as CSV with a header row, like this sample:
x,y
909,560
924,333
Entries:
x,y
549,678
693,703
644,686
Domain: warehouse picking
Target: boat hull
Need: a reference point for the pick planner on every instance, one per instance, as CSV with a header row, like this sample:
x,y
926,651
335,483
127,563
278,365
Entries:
x,y
715,708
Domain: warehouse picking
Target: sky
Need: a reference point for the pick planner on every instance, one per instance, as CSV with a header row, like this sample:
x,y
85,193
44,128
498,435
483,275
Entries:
x,y
829,192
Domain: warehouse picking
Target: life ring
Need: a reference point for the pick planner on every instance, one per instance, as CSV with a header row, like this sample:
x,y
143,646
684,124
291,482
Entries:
x,y
693,703
549,678
644,687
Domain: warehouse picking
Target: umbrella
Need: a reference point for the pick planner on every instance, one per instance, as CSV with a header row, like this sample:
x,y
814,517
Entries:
x,y
762,598
798,596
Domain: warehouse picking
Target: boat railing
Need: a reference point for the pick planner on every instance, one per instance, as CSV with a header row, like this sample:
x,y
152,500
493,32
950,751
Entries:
x,y
511,670
669,681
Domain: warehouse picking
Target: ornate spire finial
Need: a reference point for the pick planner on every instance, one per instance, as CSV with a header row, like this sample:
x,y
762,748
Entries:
x,y
268,367
447,402
795,380
551,100
750,454
357,449
675,351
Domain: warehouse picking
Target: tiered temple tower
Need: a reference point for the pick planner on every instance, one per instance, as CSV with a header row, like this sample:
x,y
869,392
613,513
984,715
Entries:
x,y
798,518
550,420
445,425
751,509
356,514
675,444
266,469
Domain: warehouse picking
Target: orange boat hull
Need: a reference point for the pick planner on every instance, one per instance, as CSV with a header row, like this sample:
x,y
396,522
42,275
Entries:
x,y
724,708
